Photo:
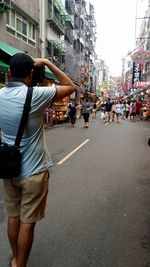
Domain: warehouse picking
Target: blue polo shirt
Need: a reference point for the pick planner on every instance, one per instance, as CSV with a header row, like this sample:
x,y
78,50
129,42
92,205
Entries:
x,y
36,158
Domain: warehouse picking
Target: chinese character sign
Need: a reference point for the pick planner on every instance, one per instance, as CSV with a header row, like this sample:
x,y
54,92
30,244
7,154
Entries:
x,y
136,75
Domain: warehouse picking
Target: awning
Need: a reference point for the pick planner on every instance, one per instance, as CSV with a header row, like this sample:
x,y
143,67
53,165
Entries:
x,y
57,45
3,67
50,75
10,50
62,10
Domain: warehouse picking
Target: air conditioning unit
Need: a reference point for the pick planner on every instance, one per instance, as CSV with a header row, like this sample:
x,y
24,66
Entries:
x,y
5,5
6,2
55,58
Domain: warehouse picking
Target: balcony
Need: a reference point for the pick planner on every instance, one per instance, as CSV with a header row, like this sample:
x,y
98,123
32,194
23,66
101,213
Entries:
x,y
55,48
72,64
57,16
69,33
69,36
56,53
60,8
77,22
70,6
57,22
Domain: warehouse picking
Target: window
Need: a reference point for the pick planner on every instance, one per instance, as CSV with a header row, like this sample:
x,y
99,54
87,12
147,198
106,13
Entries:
x,y
7,18
13,18
31,31
20,27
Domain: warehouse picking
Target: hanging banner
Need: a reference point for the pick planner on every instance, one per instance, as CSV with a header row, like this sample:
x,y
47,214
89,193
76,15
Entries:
x,y
141,56
136,75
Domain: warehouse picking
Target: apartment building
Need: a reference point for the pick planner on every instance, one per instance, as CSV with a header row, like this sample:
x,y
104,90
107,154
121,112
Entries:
x,y
142,43
61,30
20,25
19,31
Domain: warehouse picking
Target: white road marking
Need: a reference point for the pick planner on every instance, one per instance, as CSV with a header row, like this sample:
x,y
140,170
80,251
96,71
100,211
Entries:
x,y
72,152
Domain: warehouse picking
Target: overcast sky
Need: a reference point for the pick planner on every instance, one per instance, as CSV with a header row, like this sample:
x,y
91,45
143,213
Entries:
x,y
116,20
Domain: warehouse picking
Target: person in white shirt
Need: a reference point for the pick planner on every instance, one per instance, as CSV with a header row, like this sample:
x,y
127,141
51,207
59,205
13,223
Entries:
x,y
118,110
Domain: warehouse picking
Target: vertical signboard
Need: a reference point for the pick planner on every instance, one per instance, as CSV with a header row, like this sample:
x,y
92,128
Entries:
x,y
136,75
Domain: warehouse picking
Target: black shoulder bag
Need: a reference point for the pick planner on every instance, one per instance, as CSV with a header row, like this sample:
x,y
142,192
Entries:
x,y
10,156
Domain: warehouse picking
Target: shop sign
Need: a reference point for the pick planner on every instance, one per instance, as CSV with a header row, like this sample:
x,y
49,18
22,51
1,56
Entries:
x,y
136,75
143,84
141,56
105,85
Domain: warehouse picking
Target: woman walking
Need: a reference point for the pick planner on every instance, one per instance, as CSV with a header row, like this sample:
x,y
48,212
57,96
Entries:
x,y
86,107
72,112
118,111
133,111
113,110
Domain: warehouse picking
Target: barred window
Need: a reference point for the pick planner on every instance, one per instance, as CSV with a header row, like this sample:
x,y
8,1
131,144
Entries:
x,y
20,27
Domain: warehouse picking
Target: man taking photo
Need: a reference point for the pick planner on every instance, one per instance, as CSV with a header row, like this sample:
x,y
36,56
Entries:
x,y
25,195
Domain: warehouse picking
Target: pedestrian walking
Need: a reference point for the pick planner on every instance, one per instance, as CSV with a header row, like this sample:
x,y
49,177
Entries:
x,y
133,111
118,110
122,110
25,195
127,109
138,109
113,110
72,112
102,109
86,107
108,107
94,110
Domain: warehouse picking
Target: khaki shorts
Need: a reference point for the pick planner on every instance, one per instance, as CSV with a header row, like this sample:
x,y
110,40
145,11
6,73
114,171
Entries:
x,y
27,198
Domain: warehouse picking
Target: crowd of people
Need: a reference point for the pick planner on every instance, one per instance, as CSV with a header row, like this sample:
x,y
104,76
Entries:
x,y
114,110
111,110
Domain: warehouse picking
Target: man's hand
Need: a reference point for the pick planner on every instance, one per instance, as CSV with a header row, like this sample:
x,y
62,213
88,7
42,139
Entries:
x,y
66,86
40,62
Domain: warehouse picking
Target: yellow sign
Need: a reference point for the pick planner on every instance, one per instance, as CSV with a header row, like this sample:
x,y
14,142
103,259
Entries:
x,y
105,85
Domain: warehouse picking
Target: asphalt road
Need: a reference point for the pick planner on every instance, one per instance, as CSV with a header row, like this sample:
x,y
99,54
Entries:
x,y
98,210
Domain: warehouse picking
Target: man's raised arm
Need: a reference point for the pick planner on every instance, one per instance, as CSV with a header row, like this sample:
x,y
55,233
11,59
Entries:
x,y
66,86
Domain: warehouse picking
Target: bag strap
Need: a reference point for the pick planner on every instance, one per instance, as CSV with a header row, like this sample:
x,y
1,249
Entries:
x,y
24,117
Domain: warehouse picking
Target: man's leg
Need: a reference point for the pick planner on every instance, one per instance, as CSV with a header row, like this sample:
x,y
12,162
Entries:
x,y
25,241
21,238
109,116
13,232
106,118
